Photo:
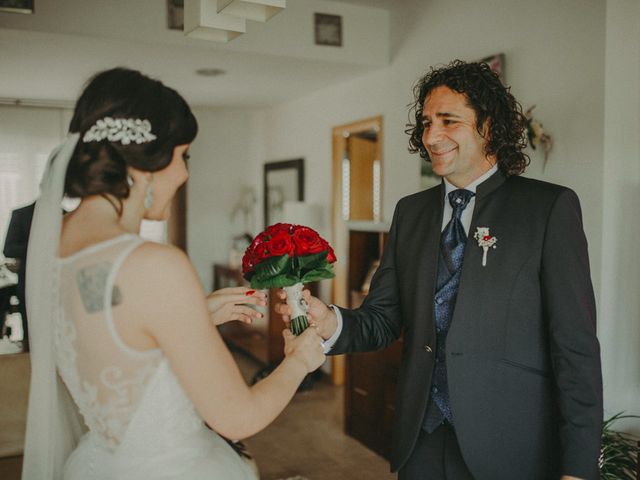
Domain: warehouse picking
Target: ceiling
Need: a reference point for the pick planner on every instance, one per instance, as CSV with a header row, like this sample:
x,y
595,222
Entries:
x,y
386,4
49,57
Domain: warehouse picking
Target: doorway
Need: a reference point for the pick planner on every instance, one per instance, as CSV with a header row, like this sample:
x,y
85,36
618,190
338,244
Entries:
x,y
357,200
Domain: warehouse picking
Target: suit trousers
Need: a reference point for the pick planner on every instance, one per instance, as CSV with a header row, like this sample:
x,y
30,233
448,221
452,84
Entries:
x,y
436,456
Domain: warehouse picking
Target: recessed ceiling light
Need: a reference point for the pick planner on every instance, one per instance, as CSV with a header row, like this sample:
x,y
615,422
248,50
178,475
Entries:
x,y
210,72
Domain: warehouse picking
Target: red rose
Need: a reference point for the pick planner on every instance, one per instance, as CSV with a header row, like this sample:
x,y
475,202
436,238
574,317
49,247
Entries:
x,y
486,237
307,241
260,253
261,238
280,244
247,263
331,256
277,228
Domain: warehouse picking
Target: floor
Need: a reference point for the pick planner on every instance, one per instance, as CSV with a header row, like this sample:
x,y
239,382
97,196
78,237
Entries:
x,y
14,393
308,439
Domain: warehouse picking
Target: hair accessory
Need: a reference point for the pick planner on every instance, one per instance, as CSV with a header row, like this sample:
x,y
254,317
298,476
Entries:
x,y
148,196
123,130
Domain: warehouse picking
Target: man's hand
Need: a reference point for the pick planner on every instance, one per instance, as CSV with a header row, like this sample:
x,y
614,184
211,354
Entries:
x,y
228,304
319,314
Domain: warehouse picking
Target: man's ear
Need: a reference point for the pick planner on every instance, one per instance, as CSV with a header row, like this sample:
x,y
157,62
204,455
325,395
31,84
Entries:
x,y
486,129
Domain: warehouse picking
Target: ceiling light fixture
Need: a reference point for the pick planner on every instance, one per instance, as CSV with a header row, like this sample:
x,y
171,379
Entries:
x,y
202,20
210,72
258,10
224,20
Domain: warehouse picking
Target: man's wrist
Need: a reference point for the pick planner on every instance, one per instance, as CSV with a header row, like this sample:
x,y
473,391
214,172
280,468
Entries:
x,y
330,324
337,331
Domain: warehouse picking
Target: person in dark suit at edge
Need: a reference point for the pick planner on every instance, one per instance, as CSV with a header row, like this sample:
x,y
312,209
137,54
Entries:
x,y
15,246
486,276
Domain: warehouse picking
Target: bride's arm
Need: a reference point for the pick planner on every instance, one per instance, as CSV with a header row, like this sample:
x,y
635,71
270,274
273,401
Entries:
x,y
167,305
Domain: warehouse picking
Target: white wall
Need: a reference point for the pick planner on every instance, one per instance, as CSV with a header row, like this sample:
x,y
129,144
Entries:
x,y
27,136
555,59
224,157
620,302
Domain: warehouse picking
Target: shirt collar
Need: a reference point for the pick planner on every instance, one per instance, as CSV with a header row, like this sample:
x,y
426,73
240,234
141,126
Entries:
x,y
449,187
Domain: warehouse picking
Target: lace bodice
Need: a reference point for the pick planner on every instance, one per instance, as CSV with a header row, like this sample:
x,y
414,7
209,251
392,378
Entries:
x,y
105,377
141,422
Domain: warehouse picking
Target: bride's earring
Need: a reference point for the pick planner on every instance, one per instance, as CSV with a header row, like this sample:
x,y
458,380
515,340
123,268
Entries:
x,y
130,181
148,196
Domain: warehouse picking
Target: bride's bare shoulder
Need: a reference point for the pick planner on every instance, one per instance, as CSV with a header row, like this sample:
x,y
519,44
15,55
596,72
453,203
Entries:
x,y
153,264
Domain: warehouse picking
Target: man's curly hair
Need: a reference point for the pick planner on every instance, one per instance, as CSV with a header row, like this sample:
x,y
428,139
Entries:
x,y
489,99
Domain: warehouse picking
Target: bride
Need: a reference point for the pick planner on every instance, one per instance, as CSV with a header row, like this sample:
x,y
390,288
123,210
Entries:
x,y
122,331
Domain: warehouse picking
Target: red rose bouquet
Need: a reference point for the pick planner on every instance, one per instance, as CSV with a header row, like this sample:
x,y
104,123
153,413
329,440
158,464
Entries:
x,y
287,256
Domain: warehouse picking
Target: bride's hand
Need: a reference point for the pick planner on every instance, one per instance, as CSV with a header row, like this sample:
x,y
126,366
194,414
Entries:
x,y
234,303
307,348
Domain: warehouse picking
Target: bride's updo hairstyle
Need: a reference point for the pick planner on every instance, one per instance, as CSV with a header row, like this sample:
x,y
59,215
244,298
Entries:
x,y
100,167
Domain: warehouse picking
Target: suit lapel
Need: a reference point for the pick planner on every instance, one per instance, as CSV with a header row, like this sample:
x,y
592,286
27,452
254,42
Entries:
x,y
428,229
473,253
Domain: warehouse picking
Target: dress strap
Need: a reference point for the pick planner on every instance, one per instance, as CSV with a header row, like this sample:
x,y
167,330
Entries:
x,y
108,298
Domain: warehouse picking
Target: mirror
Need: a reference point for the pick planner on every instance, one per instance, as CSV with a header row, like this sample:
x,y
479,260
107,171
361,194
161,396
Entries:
x,y
283,181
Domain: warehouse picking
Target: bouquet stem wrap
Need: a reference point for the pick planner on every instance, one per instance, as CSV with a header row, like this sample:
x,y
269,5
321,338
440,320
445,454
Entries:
x,y
299,308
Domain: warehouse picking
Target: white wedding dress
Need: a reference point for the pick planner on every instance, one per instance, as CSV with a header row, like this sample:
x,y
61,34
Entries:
x,y
141,424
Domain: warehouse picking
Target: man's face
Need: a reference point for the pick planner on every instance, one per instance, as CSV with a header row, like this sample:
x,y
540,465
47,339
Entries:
x,y
451,138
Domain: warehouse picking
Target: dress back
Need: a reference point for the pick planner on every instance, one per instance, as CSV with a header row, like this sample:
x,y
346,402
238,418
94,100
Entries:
x,y
141,422
105,377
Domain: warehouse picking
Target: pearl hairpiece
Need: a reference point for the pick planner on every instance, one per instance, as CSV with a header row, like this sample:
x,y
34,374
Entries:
x,y
123,130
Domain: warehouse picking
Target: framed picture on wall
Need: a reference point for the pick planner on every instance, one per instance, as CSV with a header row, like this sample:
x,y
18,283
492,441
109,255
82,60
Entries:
x,y
283,181
16,6
175,14
328,29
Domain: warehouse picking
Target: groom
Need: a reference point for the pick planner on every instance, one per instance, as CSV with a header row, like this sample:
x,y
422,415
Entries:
x,y
486,277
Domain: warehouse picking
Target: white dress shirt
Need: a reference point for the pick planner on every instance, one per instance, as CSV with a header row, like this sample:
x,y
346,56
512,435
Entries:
x,y
467,213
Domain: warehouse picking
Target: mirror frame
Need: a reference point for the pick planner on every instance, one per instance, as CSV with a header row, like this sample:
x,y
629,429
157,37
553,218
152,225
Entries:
x,y
297,165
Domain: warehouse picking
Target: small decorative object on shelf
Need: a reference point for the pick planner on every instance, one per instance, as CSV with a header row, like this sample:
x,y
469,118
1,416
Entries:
x,y
537,136
287,256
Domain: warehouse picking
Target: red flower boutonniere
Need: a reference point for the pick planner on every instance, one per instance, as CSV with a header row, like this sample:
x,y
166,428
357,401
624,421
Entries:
x,y
485,241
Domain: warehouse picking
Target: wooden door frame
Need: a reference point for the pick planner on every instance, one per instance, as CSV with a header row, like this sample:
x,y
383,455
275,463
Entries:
x,y
339,295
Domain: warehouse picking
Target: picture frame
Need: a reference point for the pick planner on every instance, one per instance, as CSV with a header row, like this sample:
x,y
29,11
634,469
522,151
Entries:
x,y
175,14
17,6
328,29
282,181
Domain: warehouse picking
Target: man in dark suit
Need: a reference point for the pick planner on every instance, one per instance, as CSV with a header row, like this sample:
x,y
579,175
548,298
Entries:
x,y
15,246
486,277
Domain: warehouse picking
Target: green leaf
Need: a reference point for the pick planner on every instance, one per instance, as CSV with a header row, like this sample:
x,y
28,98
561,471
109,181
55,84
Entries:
x,y
323,273
306,260
272,267
619,451
278,281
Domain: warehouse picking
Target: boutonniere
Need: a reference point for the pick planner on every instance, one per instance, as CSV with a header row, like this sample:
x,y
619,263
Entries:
x,y
485,241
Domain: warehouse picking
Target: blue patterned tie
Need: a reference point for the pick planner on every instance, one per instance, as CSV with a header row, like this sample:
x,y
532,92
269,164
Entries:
x,y
452,242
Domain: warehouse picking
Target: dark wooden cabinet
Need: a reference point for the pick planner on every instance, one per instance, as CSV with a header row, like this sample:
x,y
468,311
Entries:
x,y
371,378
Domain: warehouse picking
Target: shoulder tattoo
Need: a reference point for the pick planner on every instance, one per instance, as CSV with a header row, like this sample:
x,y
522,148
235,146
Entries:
x,y
92,281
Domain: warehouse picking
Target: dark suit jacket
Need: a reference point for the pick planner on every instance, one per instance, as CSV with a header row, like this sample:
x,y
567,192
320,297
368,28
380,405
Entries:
x,y
523,359
15,246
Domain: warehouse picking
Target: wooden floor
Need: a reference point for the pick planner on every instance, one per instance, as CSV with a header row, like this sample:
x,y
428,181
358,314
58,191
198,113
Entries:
x,y
308,439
